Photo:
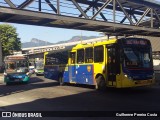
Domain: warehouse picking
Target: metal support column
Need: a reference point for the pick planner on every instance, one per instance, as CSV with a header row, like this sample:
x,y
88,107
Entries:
x,y
158,17
40,6
126,14
151,18
93,9
80,9
10,3
58,7
25,4
85,11
51,5
144,14
105,5
114,11
101,14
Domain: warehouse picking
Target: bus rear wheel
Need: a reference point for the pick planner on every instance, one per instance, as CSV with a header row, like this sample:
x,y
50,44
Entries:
x,y
100,83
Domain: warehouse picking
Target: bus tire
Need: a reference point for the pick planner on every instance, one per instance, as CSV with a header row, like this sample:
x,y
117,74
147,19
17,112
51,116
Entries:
x,y
100,83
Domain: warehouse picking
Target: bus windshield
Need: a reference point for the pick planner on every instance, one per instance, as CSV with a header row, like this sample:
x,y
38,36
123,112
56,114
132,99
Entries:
x,y
39,65
16,66
137,57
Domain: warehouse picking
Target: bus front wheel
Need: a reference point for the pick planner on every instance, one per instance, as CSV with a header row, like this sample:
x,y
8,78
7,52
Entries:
x,y
100,83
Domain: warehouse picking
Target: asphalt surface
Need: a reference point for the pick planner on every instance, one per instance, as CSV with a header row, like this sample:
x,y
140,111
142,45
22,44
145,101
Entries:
x,y
46,95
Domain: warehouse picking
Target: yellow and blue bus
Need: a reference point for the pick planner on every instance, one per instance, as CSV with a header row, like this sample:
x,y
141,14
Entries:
x,y
119,63
55,63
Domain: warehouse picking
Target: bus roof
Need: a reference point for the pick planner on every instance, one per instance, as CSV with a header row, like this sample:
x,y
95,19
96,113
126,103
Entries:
x,y
67,48
91,44
110,41
15,57
107,41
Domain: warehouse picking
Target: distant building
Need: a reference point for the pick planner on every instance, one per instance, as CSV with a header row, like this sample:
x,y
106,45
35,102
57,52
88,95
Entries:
x,y
155,42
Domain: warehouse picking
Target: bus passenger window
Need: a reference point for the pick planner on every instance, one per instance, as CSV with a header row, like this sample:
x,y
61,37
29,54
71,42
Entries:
x,y
89,55
80,56
47,61
98,54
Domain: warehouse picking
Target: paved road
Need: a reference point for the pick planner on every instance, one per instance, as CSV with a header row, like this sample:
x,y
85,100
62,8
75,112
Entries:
x,y
46,95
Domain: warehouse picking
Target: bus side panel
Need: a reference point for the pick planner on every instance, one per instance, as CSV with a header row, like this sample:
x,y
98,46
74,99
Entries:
x,y
51,72
72,73
66,75
84,74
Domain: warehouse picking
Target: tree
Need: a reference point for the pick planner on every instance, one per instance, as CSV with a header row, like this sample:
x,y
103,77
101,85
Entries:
x,y
9,39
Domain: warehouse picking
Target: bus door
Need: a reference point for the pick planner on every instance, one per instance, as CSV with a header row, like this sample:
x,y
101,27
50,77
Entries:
x,y
111,65
72,67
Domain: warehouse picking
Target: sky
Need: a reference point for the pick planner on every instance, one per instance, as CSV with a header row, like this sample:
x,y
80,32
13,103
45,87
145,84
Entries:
x,y
50,34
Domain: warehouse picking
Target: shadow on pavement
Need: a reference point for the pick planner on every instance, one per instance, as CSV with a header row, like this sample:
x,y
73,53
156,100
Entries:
x,y
143,99
133,100
34,83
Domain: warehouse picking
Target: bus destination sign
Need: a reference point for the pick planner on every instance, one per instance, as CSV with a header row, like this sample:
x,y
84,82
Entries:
x,y
136,42
16,58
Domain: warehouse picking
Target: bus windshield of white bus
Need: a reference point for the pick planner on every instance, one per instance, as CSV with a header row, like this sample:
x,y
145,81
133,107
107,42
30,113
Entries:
x,y
16,66
39,65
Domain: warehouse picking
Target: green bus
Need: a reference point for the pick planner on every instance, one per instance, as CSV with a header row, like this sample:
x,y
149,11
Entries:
x,y
16,69
39,66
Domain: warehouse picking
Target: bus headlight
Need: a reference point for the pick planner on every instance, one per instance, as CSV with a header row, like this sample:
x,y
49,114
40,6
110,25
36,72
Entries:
x,y
127,76
5,74
27,73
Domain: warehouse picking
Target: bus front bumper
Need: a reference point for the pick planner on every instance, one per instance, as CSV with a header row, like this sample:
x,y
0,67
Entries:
x,y
16,80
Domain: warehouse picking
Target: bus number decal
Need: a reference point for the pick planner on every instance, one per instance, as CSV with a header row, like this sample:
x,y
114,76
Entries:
x,y
88,68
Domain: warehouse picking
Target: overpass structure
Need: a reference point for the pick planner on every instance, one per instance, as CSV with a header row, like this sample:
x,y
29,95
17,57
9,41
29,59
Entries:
x,y
113,17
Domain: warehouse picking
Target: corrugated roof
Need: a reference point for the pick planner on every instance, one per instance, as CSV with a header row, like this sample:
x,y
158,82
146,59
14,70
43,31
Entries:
x,y
153,1
155,42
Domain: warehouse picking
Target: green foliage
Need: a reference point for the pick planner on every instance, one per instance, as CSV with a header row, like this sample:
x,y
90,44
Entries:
x,y
9,39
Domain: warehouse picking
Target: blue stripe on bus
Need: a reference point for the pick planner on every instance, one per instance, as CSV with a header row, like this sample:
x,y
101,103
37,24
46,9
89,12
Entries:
x,y
82,74
51,72
141,74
